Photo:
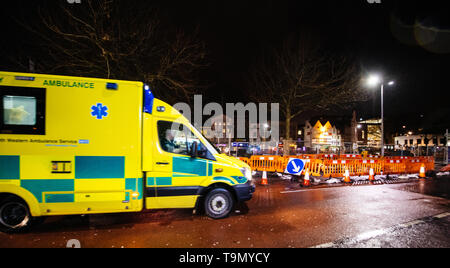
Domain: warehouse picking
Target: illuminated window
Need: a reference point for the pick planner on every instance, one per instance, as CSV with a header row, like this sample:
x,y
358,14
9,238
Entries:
x,y
19,110
22,110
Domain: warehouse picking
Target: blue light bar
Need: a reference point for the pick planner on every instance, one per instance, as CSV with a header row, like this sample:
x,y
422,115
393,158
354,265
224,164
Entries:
x,y
148,100
25,78
112,86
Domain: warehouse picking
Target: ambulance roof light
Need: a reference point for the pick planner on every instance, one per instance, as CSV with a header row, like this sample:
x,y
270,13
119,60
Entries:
x,y
25,78
148,100
112,86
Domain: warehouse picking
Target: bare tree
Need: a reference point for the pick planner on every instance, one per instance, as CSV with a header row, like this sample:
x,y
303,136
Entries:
x,y
123,40
301,77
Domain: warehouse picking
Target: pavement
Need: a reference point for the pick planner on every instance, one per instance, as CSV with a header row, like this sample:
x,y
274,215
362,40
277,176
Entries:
x,y
413,213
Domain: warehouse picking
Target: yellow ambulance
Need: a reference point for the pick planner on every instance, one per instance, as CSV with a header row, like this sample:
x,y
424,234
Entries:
x,y
75,145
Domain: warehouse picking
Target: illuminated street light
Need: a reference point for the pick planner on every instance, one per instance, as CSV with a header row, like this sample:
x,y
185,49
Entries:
x,y
372,81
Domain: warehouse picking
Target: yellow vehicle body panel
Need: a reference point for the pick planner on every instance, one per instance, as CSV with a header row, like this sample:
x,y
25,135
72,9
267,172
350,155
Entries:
x,y
82,145
93,149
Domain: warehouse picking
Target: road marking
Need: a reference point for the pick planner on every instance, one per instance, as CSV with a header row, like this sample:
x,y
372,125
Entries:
x,y
375,233
371,234
411,223
358,238
443,215
308,190
291,192
326,245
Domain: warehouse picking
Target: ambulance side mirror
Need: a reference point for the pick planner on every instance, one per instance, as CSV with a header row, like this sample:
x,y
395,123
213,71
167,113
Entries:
x,y
194,149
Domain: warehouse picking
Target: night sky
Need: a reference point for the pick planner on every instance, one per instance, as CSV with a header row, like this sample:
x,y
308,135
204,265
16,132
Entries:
x,y
379,36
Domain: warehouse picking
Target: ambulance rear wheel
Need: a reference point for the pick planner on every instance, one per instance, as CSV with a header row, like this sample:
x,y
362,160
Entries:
x,y
218,203
14,215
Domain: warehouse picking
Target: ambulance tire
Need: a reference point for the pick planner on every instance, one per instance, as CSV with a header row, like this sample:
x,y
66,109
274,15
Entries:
x,y
218,203
15,216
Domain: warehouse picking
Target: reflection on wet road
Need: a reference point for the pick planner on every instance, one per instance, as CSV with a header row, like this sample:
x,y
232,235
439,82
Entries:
x,y
281,215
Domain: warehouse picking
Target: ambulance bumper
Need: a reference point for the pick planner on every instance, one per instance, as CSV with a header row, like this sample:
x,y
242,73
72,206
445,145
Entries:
x,y
244,192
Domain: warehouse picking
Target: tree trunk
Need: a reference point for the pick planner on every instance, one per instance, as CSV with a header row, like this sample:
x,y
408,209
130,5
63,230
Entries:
x,y
287,139
288,124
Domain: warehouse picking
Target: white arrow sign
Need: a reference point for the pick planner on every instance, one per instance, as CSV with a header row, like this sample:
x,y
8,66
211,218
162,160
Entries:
x,y
295,166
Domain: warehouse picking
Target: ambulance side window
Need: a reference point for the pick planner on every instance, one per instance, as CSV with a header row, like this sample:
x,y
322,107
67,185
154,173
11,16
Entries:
x,y
22,110
178,139
19,110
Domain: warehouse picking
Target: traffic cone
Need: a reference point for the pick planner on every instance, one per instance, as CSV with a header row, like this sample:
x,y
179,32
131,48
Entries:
x,y
264,180
306,180
347,176
422,174
371,175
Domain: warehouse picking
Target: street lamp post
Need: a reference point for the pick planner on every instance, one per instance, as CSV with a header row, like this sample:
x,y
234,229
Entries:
x,y
382,119
372,81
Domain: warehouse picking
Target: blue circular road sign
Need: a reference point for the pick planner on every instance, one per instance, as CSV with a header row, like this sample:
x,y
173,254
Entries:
x,y
295,166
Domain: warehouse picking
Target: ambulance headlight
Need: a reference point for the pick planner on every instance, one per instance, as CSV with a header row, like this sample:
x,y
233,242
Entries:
x,y
247,173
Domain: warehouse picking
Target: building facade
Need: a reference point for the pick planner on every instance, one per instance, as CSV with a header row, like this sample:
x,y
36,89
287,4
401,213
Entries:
x,y
322,138
419,140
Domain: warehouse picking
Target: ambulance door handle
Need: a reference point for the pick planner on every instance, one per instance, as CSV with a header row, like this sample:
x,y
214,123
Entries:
x,y
162,163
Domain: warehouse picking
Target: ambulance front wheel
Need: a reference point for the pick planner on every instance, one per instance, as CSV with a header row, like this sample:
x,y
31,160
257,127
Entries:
x,y
218,203
14,215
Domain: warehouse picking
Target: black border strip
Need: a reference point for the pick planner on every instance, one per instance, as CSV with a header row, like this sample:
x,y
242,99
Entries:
x,y
173,191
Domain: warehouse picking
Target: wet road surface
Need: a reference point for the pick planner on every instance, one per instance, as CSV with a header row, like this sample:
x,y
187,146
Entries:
x,y
429,232
281,215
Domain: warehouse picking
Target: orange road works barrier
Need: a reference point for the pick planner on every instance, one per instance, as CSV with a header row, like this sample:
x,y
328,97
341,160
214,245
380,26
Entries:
x,y
281,163
263,163
244,159
329,156
336,166
397,166
414,165
314,166
351,156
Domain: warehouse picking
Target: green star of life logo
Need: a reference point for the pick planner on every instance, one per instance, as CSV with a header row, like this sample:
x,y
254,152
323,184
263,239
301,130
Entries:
x,y
1,79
